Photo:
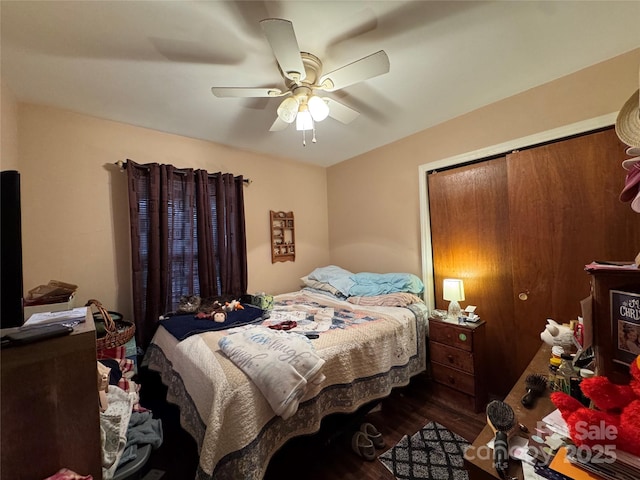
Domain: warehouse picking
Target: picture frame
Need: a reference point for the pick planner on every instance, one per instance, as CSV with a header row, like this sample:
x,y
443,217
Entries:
x,y
625,322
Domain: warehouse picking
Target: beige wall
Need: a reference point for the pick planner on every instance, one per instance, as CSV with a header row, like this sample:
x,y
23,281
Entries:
x,y
362,214
75,212
8,129
374,211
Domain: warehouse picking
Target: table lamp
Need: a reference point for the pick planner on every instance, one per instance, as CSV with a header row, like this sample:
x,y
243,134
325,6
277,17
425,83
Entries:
x,y
453,290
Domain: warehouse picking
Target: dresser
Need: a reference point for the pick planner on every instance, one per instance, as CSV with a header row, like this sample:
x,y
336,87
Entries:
x,y
478,459
457,363
50,414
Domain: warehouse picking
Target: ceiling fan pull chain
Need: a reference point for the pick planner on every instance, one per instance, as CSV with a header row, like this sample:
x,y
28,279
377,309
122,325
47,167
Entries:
x,y
304,141
314,135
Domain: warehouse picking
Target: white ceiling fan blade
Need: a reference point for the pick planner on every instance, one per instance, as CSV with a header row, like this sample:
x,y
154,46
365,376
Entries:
x,y
246,92
285,48
278,125
340,111
363,69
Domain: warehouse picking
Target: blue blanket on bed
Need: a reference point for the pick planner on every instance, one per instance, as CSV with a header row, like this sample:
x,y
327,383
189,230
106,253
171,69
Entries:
x,y
183,326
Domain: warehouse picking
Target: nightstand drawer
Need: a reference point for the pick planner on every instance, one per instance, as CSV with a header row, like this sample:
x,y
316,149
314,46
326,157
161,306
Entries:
x,y
451,334
452,357
453,378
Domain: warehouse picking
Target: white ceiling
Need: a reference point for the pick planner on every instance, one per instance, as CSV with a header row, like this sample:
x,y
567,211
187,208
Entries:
x,y
153,63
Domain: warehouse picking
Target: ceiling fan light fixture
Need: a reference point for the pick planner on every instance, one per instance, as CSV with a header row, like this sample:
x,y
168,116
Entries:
x,y
304,121
318,108
288,110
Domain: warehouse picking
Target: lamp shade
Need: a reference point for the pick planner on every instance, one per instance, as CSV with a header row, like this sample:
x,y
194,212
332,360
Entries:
x,y
318,108
304,120
453,289
288,109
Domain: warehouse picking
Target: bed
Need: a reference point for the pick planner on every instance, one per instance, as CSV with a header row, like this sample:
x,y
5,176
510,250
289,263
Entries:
x,y
366,352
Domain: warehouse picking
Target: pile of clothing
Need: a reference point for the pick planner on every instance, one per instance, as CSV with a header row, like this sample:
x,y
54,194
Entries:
x,y
124,423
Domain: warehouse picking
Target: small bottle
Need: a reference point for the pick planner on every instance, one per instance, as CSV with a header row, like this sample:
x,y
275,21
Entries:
x,y
565,373
554,363
585,373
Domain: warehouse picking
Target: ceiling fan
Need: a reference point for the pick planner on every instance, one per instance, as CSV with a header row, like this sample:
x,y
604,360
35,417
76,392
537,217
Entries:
x,y
303,79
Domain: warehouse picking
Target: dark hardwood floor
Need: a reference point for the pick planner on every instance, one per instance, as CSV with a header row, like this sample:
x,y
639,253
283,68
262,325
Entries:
x,y
404,412
326,455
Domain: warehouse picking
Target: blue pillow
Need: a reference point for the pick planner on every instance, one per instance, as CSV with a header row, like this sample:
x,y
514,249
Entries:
x,y
370,284
337,277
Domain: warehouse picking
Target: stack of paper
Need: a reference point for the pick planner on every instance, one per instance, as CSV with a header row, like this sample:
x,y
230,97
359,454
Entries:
x,y
75,315
556,423
620,466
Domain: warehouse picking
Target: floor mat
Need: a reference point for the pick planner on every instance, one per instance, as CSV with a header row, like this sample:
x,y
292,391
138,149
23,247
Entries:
x,y
432,453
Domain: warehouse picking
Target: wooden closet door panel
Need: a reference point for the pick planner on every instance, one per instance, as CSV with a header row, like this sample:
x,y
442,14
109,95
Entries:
x,y
564,213
469,235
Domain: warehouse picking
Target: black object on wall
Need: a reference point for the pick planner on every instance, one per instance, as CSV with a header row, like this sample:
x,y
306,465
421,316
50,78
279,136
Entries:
x,y
11,306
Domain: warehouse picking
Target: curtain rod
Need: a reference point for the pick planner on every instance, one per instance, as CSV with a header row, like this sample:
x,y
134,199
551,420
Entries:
x,y
122,165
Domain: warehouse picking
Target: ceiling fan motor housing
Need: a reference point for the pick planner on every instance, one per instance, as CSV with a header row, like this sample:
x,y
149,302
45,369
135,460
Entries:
x,y
313,70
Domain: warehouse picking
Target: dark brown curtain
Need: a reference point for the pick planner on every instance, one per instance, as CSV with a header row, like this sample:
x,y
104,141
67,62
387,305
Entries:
x,y
187,237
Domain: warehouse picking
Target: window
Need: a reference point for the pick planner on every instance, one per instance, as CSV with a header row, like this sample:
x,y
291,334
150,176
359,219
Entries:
x,y
187,237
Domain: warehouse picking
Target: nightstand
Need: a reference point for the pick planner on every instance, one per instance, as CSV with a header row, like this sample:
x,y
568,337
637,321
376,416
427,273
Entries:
x,y
457,368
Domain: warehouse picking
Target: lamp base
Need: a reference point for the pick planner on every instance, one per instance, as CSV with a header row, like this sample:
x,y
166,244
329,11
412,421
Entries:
x,y
454,310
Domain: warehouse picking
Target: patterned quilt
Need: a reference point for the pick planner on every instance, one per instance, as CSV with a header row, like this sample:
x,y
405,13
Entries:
x,y
367,352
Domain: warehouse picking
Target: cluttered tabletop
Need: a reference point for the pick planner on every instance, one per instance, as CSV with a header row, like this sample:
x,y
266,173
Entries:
x,y
540,444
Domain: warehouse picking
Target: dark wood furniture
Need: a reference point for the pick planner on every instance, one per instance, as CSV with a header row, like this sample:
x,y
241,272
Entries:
x,y
283,237
479,458
50,414
457,353
602,282
519,229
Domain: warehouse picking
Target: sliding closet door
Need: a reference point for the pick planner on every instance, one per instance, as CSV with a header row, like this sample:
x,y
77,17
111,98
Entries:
x,y
564,213
469,231
519,230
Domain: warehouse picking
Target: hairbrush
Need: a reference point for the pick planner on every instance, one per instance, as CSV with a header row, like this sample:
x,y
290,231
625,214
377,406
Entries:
x,y
535,384
501,418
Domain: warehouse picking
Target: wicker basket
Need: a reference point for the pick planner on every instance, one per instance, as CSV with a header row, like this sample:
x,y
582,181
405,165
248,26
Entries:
x,y
119,331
